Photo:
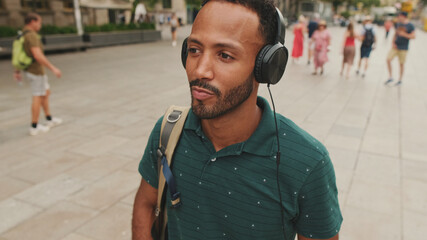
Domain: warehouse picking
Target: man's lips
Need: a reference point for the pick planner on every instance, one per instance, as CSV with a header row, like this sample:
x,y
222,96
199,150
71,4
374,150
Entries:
x,y
201,93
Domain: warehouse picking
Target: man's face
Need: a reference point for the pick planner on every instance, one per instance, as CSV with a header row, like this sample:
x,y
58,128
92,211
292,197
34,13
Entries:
x,y
37,24
223,45
401,18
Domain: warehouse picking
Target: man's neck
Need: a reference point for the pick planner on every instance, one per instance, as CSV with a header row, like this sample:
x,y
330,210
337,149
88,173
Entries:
x,y
234,127
30,28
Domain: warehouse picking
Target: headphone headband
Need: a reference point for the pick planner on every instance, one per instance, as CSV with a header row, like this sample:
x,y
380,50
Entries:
x,y
281,27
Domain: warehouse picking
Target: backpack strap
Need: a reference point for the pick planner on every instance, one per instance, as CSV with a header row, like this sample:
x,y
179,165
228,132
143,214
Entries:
x,y
172,125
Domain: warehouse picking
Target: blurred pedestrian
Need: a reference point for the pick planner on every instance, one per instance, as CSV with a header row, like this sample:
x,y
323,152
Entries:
x,y
387,26
368,39
174,26
321,39
299,30
404,32
348,49
312,26
140,13
35,73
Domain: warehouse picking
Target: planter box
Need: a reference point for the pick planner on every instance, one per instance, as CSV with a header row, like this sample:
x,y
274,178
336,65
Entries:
x,y
64,42
59,42
101,39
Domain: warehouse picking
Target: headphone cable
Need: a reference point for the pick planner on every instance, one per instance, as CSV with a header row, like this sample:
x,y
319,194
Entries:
x,y
282,210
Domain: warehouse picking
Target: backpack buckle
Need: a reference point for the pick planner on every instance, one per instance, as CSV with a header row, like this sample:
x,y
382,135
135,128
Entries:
x,y
174,116
176,200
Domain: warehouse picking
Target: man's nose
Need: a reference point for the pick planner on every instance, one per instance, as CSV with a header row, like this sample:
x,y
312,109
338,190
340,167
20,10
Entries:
x,y
204,67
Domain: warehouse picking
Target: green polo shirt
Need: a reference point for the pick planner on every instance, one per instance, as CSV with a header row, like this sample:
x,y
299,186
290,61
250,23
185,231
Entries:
x,y
232,193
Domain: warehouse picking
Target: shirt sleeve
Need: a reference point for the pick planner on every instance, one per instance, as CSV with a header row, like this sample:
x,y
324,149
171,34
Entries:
x,y
148,165
411,28
319,212
31,39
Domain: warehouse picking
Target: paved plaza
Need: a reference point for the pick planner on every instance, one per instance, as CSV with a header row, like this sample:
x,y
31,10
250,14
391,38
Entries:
x,y
77,182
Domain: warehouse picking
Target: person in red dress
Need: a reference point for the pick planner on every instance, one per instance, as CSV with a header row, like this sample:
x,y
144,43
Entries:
x,y
299,30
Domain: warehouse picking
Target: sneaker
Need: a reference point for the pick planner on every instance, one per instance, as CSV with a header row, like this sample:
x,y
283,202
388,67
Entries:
x,y
173,43
363,75
357,72
398,83
54,122
388,81
39,129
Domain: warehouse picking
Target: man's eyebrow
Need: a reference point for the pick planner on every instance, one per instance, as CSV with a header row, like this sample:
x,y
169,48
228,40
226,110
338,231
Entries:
x,y
220,45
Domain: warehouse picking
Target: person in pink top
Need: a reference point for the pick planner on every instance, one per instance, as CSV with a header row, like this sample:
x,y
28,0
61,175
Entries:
x,y
321,39
299,30
348,49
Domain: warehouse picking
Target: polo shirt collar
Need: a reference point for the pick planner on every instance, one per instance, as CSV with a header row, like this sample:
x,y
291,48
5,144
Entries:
x,y
261,142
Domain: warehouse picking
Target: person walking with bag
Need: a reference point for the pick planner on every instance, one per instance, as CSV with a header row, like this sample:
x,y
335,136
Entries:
x,y
368,39
348,50
321,39
35,73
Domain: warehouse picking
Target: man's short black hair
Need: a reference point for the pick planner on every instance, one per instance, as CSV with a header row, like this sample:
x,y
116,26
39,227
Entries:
x,y
31,17
267,16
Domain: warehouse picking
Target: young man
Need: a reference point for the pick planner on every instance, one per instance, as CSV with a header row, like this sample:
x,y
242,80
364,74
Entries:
x,y
404,32
368,38
36,75
225,162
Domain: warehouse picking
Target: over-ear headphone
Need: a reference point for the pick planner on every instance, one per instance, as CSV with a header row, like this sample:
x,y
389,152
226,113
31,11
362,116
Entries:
x,y
271,60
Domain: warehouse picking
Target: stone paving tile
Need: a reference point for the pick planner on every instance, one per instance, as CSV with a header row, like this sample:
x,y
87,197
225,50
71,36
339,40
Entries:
x,y
39,171
99,167
363,224
14,212
415,225
117,217
75,236
343,158
47,193
380,169
415,195
55,223
99,146
108,190
365,193
129,199
9,186
414,170
344,142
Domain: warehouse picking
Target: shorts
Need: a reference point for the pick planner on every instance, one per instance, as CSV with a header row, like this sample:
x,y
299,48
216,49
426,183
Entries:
x,y
401,54
39,84
173,29
365,52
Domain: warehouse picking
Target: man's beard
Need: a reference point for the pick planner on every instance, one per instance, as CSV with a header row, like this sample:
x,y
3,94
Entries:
x,y
225,102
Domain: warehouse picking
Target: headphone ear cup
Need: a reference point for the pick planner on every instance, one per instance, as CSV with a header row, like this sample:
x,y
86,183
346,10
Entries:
x,y
271,63
259,64
184,52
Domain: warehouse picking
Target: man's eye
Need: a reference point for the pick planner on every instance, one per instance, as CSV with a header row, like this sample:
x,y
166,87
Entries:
x,y
226,56
192,50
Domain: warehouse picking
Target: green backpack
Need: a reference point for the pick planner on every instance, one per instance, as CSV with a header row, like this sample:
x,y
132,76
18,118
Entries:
x,y
20,60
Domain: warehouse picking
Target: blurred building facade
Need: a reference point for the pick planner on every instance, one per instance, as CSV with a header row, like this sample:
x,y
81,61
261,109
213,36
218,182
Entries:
x,y
94,12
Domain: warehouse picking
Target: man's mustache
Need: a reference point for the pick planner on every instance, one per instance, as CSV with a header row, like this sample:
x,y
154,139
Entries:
x,y
205,85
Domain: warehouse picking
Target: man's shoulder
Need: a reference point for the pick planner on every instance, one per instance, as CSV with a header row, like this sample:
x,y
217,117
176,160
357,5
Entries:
x,y
31,36
299,142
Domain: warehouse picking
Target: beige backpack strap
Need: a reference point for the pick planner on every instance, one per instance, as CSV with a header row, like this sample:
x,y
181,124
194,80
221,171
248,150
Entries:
x,y
172,125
